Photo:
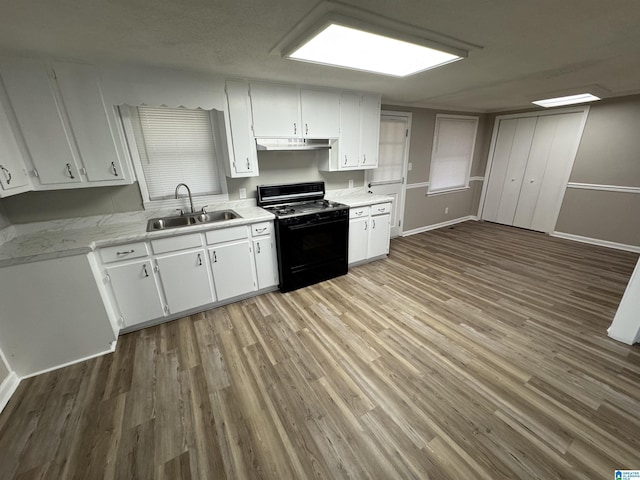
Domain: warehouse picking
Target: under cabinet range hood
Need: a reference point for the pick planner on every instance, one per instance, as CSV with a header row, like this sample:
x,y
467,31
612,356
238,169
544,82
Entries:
x,y
292,144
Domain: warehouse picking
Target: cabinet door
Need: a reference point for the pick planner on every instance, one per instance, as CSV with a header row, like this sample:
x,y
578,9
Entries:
x,y
136,292
243,145
232,269
185,280
276,111
266,267
38,109
320,114
358,239
349,142
90,122
369,130
12,168
379,236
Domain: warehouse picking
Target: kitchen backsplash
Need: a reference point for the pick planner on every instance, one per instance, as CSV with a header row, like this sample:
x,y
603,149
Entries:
x,y
275,167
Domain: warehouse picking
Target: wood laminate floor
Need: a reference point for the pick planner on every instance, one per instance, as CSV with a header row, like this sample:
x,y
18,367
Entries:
x,y
473,352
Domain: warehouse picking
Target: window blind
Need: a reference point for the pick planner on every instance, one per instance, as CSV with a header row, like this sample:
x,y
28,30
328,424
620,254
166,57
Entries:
x,y
452,153
175,146
391,150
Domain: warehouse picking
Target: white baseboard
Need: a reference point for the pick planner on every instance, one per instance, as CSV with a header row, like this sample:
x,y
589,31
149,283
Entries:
x,y
596,241
73,362
439,225
7,388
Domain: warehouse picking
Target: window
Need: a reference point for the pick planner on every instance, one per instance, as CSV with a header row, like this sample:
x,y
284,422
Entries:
x,y
453,144
171,146
391,156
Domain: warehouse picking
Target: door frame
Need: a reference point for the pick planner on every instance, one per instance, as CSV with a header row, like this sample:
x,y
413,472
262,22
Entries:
x,y
584,109
405,164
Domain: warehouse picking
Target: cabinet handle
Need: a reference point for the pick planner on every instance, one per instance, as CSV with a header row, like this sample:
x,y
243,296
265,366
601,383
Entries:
x,y
115,170
257,247
125,253
69,170
199,260
365,226
7,174
248,164
295,129
364,158
358,213
306,129
373,224
381,210
144,268
260,230
215,257
345,159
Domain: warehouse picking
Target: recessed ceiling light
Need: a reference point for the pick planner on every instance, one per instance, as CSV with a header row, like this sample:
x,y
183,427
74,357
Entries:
x,y
570,100
347,47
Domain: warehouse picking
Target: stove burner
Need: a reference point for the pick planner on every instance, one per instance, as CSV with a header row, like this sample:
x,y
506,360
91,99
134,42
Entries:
x,y
283,210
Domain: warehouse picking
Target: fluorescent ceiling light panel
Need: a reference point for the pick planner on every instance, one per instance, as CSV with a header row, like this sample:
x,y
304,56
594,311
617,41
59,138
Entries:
x,y
570,100
348,47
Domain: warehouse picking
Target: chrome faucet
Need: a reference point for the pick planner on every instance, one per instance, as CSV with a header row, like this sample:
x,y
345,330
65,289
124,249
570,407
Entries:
x,y
189,192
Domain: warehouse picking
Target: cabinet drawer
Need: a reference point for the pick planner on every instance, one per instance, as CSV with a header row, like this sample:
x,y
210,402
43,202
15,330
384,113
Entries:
x,y
358,212
227,234
381,209
124,252
262,228
180,242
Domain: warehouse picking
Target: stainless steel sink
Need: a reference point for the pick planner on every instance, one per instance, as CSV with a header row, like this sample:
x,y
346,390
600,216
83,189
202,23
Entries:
x,y
190,219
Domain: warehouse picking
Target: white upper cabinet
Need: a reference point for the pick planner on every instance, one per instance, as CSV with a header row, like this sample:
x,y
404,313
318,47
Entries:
x,y
71,136
320,113
284,111
349,143
242,146
37,108
369,130
13,172
357,146
93,124
276,111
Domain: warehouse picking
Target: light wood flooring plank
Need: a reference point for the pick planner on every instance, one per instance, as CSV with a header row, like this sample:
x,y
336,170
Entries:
x,y
476,351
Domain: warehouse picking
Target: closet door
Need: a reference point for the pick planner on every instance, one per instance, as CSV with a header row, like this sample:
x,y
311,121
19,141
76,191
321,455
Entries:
x,y
531,165
548,170
507,169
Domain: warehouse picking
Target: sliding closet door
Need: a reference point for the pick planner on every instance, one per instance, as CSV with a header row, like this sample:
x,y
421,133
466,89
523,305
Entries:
x,y
507,168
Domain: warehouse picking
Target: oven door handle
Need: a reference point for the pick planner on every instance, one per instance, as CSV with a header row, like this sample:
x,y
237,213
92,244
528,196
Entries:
x,y
317,224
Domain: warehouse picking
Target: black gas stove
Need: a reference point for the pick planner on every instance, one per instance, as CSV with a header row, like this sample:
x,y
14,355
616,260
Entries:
x,y
312,233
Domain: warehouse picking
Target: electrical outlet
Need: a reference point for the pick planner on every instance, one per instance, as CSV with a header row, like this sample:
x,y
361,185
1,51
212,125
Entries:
x,y
242,192
409,166
446,210
350,183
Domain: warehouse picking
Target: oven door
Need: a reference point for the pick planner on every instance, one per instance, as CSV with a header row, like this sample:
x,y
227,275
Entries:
x,y
312,251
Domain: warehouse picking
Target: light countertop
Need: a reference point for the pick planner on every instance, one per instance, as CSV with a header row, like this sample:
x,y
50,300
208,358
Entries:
x,y
61,238
32,242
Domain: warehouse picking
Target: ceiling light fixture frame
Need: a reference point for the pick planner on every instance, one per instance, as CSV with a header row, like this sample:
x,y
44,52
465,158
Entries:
x,y
327,13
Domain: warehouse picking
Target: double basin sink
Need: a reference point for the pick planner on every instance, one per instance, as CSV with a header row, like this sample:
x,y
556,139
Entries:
x,y
190,219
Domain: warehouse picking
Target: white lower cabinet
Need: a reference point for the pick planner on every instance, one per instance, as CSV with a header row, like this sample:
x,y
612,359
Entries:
x,y
185,280
369,232
232,269
135,288
147,281
379,233
358,239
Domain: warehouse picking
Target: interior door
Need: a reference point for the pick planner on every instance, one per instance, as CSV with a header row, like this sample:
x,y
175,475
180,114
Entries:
x,y
530,167
389,177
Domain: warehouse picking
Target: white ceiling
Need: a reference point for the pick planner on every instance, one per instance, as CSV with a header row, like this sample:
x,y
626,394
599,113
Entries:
x,y
530,49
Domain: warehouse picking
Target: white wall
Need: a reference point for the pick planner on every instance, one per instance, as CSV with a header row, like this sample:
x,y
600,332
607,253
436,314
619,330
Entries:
x,y
626,324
